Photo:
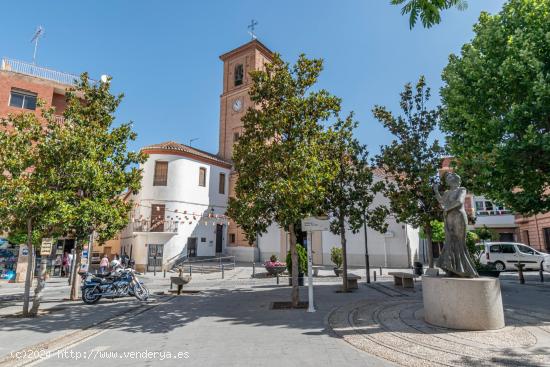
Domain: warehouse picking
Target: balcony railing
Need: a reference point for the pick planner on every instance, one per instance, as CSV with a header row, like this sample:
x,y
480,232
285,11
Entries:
x,y
163,226
484,213
26,68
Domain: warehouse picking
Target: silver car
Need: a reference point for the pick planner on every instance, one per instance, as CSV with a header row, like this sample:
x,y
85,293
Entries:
x,y
505,254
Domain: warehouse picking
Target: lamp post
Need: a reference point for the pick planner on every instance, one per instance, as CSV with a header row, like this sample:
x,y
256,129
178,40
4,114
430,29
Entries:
x,y
367,263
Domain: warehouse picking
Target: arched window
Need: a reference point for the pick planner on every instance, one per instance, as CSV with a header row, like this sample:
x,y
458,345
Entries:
x,y
239,74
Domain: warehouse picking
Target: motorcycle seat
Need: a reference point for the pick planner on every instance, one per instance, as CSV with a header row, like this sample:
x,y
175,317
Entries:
x,y
104,275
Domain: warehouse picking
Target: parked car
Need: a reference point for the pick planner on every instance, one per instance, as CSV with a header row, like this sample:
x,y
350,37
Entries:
x,y
505,254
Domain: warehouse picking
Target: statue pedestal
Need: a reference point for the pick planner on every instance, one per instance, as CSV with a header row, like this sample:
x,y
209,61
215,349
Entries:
x,y
461,303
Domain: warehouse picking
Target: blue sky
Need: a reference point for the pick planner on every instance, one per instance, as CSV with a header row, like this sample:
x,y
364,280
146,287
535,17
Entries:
x,y
164,54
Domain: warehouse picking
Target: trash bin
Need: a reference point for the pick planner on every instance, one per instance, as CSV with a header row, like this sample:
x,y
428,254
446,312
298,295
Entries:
x,y
418,268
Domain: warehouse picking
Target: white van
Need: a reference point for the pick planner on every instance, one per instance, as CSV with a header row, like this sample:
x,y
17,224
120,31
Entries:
x,y
505,254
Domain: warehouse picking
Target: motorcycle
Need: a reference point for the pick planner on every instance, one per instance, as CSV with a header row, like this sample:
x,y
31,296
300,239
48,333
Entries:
x,y
119,283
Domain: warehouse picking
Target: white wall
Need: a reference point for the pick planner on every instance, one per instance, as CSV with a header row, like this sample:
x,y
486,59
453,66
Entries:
x,y
182,197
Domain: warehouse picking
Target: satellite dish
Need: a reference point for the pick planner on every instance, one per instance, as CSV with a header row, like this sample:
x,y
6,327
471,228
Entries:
x,y
104,78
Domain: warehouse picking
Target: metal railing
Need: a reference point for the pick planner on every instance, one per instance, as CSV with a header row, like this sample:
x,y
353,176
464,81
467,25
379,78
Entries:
x,y
209,265
484,213
166,226
26,68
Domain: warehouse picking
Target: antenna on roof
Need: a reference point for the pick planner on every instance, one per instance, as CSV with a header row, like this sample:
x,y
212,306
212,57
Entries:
x,y
37,34
192,140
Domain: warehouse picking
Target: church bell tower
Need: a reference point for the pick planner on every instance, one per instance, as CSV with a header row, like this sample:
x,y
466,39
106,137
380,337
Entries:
x,y
234,101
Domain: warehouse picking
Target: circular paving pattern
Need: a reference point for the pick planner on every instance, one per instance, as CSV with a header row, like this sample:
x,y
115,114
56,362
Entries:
x,y
396,331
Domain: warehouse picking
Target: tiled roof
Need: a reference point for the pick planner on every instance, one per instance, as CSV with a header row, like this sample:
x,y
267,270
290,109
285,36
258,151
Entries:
x,y
177,147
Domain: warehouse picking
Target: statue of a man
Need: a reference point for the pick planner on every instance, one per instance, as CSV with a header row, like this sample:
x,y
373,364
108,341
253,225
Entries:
x,y
454,258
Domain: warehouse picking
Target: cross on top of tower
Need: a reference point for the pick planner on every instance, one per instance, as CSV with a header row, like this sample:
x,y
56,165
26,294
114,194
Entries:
x,y
252,27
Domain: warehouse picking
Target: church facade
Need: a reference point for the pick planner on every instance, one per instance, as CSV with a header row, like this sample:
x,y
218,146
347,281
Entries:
x,y
182,219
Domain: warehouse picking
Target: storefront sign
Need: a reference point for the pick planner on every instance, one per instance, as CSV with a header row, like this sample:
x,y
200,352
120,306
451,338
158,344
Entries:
x,y
46,247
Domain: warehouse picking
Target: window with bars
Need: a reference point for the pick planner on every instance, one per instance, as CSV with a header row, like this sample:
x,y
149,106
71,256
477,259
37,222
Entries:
x,y
202,176
221,184
23,99
161,174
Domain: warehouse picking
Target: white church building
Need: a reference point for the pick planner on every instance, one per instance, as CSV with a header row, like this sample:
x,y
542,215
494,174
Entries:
x,y
180,211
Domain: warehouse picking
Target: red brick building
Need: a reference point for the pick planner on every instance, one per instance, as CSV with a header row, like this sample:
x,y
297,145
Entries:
x,y
535,231
22,84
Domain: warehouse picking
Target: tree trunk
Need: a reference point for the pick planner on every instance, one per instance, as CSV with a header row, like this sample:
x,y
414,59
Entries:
x,y
75,282
428,231
342,225
295,266
39,287
30,270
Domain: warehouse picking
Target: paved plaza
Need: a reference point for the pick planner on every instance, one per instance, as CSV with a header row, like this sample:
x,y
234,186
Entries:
x,y
229,322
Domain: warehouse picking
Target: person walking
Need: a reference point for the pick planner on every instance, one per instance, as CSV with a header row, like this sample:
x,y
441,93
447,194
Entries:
x,y
103,264
65,265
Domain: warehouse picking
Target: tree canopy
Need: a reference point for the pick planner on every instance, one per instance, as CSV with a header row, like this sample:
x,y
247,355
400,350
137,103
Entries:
x,y
429,11
282,166
351,193
411,161
496,101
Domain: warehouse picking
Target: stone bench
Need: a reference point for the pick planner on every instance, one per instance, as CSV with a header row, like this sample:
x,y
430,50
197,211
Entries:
x,y
352,281
316,270
406,280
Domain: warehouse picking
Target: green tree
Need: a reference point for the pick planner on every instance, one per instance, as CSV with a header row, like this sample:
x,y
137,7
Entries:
x,y
429,11
496,107
485,234
412,160
438,232
28,198
93,166
350,195
283,168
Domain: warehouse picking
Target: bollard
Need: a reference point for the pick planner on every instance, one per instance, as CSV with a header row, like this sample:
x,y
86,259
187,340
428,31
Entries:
x,y
380,271
222,272
165,273
520,271
277,278
190,270
253,270
541,274
375,275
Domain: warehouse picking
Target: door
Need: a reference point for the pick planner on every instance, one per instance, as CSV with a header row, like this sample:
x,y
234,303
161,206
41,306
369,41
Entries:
x,y
107,251
509,254
219,238
317,247
157,217
546,239
154,257
506,237
191,246
529,257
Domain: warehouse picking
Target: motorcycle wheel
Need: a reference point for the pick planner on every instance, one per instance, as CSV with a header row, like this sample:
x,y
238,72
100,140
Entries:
x,y
141,292
90,296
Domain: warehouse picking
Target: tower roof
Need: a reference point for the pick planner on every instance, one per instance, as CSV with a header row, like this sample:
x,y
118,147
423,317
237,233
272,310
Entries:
x,y
252,44
171,147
